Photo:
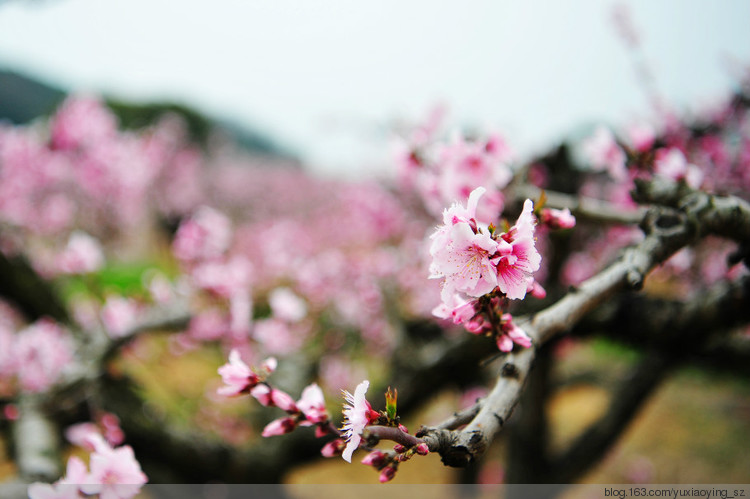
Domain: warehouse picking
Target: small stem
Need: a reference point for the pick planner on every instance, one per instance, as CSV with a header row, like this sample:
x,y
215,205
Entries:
x,y
391,433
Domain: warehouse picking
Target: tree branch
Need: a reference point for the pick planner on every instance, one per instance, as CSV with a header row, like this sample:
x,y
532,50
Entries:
x,y
583,208
666,231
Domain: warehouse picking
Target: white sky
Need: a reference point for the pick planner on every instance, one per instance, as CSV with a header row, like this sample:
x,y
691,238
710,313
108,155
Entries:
x,y
326,76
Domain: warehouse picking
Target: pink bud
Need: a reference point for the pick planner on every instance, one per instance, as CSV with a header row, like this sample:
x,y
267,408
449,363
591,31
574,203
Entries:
x,y
558,219
375,459
504,343
269,365
403,428
262,394
536,290
321,431
422,449
279,427
283,401
387,474
333,448
399,448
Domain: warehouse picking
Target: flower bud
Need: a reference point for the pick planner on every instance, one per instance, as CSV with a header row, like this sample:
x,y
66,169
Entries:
x,y
399,448
422,449
333,448
279,427
283,401
375,459
387,474
262,394
403,428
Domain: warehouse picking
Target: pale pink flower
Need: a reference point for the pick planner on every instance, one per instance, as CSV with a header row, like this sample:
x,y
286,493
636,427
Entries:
x,y
519,258
75,472
81,435
224,278
671,163
286,305
278,337
603,153
312,404
41,352
642,136
205,236
208,325
7,358
558,219
82,121
118,315
240,313
457,309
115,473
461,251
160,289
237,376
83,254
357,415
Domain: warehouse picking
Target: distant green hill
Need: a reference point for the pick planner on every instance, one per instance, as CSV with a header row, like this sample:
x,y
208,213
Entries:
x,y
23,99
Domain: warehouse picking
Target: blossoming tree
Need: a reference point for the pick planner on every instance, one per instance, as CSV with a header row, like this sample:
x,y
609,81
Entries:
x,y
471,267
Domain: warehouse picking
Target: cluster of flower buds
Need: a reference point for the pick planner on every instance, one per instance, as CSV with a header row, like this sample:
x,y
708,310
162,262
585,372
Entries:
x,y
486,316
387,462
309,410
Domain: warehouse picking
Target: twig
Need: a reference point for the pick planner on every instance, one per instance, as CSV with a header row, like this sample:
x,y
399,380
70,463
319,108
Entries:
x,y
583,208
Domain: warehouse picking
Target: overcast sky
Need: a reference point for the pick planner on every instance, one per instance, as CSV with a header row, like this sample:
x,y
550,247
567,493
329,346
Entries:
x,y
326,77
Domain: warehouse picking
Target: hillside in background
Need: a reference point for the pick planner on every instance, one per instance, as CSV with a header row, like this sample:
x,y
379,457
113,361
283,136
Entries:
x,y
23,99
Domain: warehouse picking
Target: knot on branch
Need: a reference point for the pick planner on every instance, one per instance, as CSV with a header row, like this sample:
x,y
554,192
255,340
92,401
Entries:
x,y
457,449
664,222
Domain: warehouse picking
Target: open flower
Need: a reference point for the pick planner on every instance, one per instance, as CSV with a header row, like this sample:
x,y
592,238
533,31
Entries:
x,y
312,404
461,251
115,473
519,257
357,414
238,377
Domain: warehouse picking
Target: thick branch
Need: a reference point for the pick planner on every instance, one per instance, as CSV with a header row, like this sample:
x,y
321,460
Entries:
x,y
666,232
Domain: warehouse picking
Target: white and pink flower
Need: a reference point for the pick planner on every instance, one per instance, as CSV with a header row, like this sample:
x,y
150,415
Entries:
x,y
357,415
